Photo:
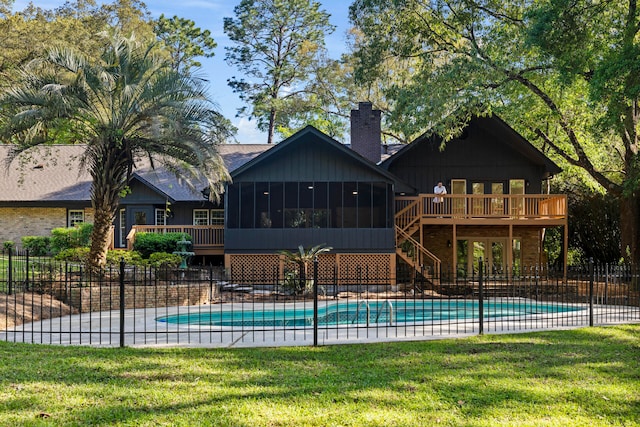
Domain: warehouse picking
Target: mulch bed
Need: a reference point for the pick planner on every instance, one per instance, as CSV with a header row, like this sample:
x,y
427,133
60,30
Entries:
x,y
29,307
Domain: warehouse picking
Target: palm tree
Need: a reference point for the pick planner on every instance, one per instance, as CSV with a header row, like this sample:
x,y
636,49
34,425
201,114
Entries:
x,y
303,258
126,106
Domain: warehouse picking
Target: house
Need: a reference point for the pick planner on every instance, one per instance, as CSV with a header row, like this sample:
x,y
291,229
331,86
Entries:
x,y
372,203
311,190
497,207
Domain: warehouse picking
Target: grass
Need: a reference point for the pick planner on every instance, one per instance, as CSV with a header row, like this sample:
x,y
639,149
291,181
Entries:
x,y
584,377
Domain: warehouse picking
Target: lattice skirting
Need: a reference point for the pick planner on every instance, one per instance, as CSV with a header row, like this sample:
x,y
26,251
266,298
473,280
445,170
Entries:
x,y
345,269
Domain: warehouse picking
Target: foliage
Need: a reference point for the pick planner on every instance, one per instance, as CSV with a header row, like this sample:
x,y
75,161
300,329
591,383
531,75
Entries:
x,y
26,34
114,257
580,377
78,254
70,237
184,41
37,245
163,259
303,259
130,257
563,73
597,236
128,106
149,243
8,245
278,45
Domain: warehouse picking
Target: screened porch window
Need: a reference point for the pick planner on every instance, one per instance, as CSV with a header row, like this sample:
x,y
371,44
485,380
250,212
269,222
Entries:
x,y
309,204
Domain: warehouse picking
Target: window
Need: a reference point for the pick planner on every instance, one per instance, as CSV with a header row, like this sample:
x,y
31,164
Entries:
x,y
233,205
516,186
247,199
161,217
75,217
201,217
320,211
140,218
262,219
308,204
123,227
217,216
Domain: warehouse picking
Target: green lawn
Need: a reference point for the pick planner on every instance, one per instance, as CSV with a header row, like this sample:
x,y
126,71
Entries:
x,y
585,377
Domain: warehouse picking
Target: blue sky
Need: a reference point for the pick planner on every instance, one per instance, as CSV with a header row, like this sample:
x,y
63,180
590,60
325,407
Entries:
x,y
209,14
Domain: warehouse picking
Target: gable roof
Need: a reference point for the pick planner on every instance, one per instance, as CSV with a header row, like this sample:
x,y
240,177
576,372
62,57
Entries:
x,y
503,132
304,134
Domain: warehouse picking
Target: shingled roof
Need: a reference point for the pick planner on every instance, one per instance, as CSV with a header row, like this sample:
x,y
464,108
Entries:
x,y
52,174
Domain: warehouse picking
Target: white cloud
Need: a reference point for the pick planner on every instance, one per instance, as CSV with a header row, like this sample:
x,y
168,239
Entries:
x,y
248,133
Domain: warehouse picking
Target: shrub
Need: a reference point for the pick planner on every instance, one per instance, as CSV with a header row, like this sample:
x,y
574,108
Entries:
x,y
149,243
70,237
37,245
163,259
73,255
8,245
129,257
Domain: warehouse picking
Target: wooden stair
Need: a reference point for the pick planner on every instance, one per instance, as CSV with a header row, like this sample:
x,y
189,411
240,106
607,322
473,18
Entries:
x,y
410,250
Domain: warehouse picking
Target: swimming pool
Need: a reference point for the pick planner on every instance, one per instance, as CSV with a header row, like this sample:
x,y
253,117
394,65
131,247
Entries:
x,y
365,312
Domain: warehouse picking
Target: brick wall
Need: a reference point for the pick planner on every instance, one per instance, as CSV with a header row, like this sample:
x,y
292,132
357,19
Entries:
x,y
436,240
365,131
18,222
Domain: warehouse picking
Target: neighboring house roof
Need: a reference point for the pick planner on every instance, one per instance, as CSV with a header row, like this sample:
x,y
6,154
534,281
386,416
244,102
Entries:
x,y
503,132
52,174
48,174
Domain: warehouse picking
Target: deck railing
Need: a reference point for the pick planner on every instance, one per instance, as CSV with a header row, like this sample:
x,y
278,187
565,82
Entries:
x,y
202,236
470,206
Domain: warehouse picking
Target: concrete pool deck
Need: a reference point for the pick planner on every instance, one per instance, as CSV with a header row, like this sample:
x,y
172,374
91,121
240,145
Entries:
x,y
102,329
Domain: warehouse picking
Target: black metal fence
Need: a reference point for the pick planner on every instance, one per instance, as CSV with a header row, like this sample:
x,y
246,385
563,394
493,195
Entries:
x,y
45,301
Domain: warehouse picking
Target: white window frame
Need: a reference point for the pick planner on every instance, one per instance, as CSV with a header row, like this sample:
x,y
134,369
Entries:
x,y
71,220
217,217
161,217
202,218
123,228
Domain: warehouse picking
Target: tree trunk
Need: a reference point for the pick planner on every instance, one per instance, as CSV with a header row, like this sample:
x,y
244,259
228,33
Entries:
x,y
629,227
101,235
272,126
109,174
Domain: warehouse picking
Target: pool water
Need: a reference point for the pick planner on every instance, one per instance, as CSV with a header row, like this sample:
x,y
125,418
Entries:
x,y
365,312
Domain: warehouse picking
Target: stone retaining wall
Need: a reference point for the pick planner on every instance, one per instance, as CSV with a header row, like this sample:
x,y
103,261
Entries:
x,y
104,298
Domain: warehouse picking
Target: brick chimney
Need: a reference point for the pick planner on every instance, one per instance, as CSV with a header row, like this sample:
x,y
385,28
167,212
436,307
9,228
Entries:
x,y
365,132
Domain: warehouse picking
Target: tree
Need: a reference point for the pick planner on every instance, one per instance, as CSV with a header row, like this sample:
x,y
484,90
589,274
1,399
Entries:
x,y
303,259
563,72
128,106
184,41
275,44
26,34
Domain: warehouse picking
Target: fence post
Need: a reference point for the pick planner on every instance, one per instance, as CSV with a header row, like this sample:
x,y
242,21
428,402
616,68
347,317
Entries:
x,y
315,301
122,302
10,273
26,271
480,298
590,291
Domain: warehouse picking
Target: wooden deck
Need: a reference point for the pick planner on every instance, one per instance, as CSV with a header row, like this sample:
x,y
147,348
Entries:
x,y
206,239
482,209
